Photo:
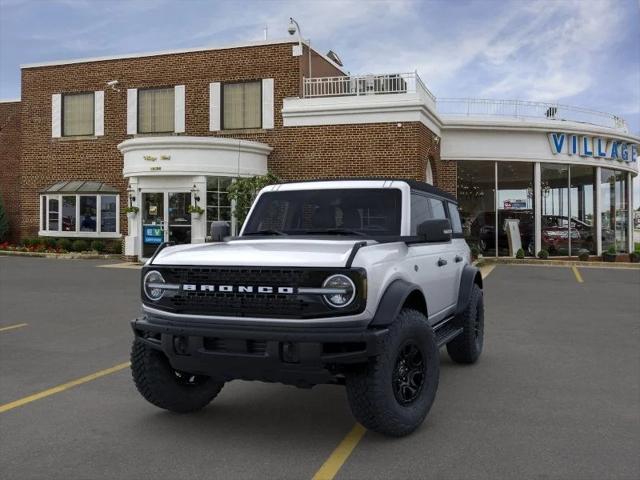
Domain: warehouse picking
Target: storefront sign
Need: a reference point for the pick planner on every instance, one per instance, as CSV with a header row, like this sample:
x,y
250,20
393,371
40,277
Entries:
x,y
153,235
597,147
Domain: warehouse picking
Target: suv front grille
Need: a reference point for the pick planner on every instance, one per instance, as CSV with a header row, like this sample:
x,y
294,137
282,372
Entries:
x,y
270,305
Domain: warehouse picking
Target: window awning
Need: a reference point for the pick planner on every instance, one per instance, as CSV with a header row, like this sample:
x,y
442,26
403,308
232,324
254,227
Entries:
x,y
80,186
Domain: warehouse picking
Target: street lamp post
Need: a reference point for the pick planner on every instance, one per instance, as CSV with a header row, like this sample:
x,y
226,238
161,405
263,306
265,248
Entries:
x,y
293,28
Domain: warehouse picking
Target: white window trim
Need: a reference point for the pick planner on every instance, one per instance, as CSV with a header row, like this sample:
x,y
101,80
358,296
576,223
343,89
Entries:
x,y
268,109
78,233
98,113
132,111
56,115
215,111
179,109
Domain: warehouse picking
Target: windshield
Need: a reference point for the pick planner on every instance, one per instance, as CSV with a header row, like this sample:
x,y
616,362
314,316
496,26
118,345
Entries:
x,y
361,212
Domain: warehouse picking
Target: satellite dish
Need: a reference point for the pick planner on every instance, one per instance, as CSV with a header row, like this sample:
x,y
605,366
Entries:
x,y
333,56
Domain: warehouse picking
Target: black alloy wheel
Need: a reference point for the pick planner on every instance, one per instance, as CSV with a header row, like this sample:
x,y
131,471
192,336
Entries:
x,y
408,374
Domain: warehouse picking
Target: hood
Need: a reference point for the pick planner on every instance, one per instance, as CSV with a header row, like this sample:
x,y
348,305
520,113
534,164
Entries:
x,y
271,252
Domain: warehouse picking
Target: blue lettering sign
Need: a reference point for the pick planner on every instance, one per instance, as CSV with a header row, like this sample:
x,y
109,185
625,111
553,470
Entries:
x,y
573,147
624,152
586,149
634,153
601,151
153,235
557,142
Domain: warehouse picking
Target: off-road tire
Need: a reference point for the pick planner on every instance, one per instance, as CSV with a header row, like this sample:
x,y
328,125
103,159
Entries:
x,y
467,347
162,386
370,388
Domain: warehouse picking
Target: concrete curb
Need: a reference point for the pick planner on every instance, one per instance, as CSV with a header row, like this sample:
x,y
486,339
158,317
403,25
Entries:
x,y
556,263
63,256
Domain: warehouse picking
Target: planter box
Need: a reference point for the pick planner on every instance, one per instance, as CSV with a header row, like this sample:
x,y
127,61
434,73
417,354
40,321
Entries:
x,y
196,216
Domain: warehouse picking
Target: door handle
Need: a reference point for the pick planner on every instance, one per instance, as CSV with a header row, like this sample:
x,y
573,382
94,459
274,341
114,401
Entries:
x,y
442,262
458,258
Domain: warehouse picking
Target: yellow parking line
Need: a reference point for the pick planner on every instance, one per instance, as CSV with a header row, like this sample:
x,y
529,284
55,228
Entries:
x,y
11,327
577,274
330,467
60,388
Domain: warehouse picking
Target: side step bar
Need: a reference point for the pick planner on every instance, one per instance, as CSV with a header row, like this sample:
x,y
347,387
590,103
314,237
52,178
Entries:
x,y
446,331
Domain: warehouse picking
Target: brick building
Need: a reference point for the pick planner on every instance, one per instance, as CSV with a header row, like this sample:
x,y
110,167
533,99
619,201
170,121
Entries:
x,y
165,130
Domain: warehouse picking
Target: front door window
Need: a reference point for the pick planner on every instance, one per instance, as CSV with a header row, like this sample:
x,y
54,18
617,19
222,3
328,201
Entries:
x,y
164,218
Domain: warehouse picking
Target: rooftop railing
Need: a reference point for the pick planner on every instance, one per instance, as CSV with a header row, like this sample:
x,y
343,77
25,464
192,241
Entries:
x,y
398,83
357,85
477,107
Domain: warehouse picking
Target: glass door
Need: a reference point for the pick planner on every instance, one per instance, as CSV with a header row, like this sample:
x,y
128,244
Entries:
x,y
153,228
179,230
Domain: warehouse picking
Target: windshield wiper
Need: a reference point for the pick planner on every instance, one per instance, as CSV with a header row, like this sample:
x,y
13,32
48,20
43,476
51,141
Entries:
x,y
267,231
336,231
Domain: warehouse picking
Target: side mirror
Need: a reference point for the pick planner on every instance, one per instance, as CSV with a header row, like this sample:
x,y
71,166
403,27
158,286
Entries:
x,y
219,230
435,231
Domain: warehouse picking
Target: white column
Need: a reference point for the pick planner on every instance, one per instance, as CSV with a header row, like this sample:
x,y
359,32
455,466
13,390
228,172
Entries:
x,y
537,195
132,241
199,226
598,220
630,212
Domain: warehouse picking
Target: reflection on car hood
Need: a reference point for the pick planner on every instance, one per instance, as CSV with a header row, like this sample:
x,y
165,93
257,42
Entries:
x,y
271,252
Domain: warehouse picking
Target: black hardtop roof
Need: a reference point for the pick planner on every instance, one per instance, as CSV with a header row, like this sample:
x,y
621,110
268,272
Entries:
x,y
413,184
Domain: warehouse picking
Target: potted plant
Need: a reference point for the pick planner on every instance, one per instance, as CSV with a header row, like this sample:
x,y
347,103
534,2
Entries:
x,y
634,257
610,255
583,255
543,254
195,211
520,254
131,212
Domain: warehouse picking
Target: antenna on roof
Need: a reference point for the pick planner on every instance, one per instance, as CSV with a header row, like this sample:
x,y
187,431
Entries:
x,y
333,56
266,32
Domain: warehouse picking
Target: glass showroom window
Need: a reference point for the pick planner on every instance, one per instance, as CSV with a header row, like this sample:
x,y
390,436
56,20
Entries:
x,y
156,110
218,202
582,207
615,210
515,206
476,197
78,114
80,215
242,105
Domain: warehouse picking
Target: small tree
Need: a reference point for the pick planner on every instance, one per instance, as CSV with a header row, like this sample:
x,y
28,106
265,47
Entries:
x,y
4,222
244,190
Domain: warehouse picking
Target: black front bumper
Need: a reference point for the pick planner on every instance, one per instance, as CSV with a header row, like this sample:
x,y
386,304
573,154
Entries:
x,y
299,356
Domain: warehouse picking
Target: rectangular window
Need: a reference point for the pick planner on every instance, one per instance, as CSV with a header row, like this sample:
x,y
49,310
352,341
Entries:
x,y
108,217
43,213
54,214
69,213
78,114
218,202
156,110
476,197
242,105
420,211
515,208
454,215
88,213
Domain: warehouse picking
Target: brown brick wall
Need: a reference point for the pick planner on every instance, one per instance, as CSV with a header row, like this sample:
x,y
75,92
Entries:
x,y
298,152
10,163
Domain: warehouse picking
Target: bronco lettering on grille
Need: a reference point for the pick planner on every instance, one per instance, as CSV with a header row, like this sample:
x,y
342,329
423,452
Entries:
x,y
192,287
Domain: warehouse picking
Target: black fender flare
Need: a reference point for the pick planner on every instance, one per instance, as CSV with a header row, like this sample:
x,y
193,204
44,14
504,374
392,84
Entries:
x,y
470,276
392,301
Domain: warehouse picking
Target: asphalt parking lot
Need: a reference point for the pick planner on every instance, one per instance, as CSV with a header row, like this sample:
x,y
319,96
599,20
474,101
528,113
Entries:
x,y
556,393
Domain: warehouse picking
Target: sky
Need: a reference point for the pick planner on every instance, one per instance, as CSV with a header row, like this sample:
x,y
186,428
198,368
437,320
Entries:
x,y
576,52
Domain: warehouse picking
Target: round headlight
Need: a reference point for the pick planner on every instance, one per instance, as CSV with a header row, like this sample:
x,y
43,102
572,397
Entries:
x,y
345,291
153,282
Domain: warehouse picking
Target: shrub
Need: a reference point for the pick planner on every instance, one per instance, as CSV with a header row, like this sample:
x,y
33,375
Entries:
x,y
4,222
65,244
583,255
113,247
520,253
79,246
543,254
98,246
30,242
475,251
48,242
244,190
612,250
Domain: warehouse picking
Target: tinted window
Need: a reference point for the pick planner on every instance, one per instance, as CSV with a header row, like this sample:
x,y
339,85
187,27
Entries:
x,y
373,212
420,211
437,209
454,215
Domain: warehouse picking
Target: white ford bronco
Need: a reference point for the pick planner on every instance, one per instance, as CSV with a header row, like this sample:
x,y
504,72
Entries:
x,y
352,282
